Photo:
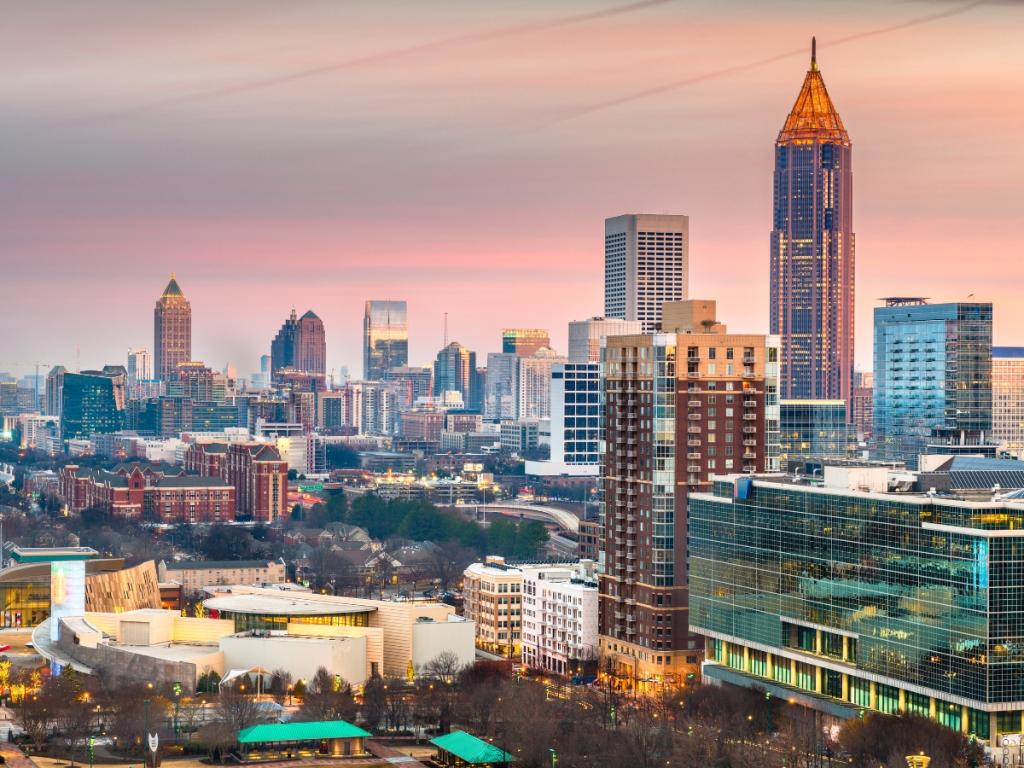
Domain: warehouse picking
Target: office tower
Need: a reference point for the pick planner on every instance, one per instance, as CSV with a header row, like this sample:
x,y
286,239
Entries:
x,y
310,345
92,402
533,384
172,331
863,404
814,429
577,421
866,591
385,338
585,336
680,406
646,263
524,341
1008,399
500,386
455,371
282,348
54,395
812,248
140,369
933,376
194,380
265,370
410,383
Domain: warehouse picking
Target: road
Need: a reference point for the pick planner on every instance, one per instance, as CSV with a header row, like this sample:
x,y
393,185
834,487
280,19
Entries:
x,y
565,520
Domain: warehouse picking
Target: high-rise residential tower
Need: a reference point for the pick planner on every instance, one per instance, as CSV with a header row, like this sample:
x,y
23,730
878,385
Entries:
x,y
646,263
933,377
680,406
812,247
140,366
172,331
385,338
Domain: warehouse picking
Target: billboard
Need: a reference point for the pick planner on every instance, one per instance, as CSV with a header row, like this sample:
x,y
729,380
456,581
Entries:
x,y
67,592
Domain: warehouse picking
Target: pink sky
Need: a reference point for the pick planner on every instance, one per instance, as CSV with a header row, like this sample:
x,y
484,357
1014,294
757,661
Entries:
x,y
451,176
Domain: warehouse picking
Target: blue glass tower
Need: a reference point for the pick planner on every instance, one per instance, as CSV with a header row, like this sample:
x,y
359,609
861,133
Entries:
x,y
933,376
812,248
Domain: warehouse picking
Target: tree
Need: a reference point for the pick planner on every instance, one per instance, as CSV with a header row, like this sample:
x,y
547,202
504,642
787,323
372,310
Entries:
x,y
208,682
374,703
238,711
281,685
328,697
34,719
447,562
440,675
879,738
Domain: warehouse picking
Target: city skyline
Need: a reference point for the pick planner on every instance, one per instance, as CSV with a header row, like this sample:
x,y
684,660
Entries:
x,y
130,205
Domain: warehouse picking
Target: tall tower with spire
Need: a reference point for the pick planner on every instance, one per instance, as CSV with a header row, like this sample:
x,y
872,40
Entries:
x,y
812,247
172,331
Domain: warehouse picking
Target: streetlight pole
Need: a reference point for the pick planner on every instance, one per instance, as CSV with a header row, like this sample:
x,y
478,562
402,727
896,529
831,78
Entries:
x,y
145,731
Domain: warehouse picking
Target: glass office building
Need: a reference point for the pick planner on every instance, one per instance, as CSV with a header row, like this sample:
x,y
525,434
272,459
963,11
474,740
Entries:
x,y
815,429
850,597
92,402
933,376
385,338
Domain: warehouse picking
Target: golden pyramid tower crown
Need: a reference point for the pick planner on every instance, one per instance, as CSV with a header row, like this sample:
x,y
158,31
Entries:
x,y
814,117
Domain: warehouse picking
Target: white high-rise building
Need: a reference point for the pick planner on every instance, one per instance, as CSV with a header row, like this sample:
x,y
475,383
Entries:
x,y
646,263
1008,399
533,388
500,386
585,336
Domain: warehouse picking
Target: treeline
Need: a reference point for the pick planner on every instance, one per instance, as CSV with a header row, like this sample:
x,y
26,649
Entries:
x,y
420,520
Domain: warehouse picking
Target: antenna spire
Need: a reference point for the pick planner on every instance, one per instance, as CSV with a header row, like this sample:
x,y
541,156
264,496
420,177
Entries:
x,y
814,54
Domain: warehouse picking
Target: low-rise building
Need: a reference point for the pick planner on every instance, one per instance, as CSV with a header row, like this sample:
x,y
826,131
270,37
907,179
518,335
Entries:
x,y
492,591
559,618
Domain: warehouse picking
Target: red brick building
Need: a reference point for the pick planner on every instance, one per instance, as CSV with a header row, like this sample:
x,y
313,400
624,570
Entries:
x,y
143,492
255,470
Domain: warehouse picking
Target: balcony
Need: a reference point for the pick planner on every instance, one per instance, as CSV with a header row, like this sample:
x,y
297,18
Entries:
x,y
693,429
749,468
695,403
750,430
750,403
748,374
749,360
693,443
750,443
696,456
750,417
749,455
694,417
693,468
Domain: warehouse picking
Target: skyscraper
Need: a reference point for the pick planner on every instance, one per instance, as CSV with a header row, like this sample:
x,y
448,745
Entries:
x,y
385,338
140,366
646,263
585,336
172,331
311,345
680,407
92,402
933,376
812,247
300,345
455,371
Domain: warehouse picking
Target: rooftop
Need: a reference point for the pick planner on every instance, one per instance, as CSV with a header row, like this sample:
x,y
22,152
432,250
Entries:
x,y
50,554
201,565
312,731
283,604
814,116
470,749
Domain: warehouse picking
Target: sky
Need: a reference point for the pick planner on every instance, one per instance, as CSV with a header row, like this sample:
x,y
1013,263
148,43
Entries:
x,y
463,155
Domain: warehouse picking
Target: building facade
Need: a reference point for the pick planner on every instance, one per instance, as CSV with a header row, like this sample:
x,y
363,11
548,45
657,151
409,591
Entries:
x,y
559,618
92,402
646,263
533,384
851,597
410,384
385,338
812,248
814,429
862,411
1008,399
493,594
680,407
933,376
172,331
193,576
455,371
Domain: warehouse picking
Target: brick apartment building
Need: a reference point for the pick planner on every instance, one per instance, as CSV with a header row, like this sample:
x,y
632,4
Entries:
x,y
143,492
256,471
681,405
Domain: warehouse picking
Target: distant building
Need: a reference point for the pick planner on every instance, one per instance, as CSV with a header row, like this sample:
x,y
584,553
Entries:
x,y
255,470
577,421
519,435
1008,399
410,384
92,402
54,397
933,376
140,369
863,409
422,425
385,338
500,386
493,594
646,263
455,371
585,336
533,384
300,345
194,575
143,493
524,342
172,331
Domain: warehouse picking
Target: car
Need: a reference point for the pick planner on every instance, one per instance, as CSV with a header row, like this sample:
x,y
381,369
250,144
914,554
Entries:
x,y
4,648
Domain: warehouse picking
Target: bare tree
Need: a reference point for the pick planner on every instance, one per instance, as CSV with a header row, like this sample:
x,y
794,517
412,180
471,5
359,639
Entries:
x,y
238,711
328,697
447,562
